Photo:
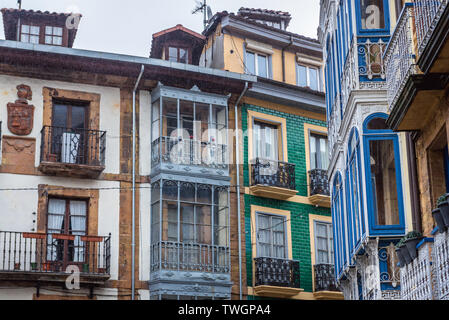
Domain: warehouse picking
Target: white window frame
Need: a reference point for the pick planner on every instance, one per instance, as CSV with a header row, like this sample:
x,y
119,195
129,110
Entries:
x,y
53,35
256,64
308,68
286,244
330,243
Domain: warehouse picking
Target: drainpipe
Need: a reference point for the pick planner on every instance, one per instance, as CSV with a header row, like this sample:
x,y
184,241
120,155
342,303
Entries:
x,y
133,244
283,57
237,159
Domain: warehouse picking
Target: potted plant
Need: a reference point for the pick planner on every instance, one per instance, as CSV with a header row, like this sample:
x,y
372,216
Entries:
x,y
33,266
399,253
17,266
411,240
85,268
403,251
444,208
438,216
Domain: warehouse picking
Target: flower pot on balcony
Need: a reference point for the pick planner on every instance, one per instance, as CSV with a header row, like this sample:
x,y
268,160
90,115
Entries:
x,y
444,208
400,257
33,266
411,247
85,268
438,217
405,254
52,157
102,270
16,266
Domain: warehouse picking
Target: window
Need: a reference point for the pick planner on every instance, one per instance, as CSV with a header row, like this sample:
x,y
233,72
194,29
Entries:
x,y
324,246
257,64
176,54
266,143
29,33
308,77
338,218
319,158
53,35
384,175
372,14
271,236
68,217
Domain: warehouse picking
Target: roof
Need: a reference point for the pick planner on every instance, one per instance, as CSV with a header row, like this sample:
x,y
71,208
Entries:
x,y
265,11
11,16
253,13
178,34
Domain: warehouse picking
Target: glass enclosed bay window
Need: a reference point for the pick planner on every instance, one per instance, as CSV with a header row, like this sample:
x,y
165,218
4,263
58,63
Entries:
x,y
189,128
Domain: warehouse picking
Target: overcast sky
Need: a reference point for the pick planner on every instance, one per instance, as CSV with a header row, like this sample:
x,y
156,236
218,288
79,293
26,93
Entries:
x,y
126,26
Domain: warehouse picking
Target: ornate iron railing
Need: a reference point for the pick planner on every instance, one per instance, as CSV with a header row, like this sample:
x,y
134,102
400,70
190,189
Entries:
x,y
178,256
371,53
319,183
400,58
427,16
277,272
73,146
273,173
54,253
189,152
325,277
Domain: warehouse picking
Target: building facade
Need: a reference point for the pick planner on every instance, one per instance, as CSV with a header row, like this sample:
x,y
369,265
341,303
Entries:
x,y
417,76
287,245
114,166
371,166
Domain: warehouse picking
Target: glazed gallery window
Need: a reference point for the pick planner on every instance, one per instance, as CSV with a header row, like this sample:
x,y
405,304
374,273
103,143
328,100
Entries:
x,y
319,158
372,14
308,77
29,33
176,54
53,35
67,217
271,236
384,179
189,224
324,243
257,64
266,141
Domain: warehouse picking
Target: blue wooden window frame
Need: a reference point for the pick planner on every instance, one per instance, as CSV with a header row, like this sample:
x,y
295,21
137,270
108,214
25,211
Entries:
x,y
338,225
376,135
354,200
385,30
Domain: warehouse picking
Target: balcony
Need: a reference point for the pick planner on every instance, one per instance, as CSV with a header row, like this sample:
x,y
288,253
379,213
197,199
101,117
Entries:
x,y
273,179
319,188
189,152
78,153
44,257
278,278
325,284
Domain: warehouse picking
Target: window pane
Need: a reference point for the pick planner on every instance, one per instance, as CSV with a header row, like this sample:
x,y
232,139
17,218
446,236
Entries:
x,y
25,38
372,14
250,63
302,76
48,40
383,180
34,39
173,54
262,62
313,79
49,30
183,56
377,124
25,28
57,41
57,31
187,192
34,30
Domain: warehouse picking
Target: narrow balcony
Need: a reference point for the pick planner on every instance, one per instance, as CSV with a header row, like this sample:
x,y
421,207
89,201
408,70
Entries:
x,y
70,152
47,257
400,57
278,278
189,152
325,284
319,188
273,179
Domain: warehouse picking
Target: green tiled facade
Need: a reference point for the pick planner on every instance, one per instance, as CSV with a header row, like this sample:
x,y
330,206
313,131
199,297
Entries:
x,y
299,212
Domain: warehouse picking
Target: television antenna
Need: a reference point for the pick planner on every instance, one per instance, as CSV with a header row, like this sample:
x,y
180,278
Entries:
x,y
201,6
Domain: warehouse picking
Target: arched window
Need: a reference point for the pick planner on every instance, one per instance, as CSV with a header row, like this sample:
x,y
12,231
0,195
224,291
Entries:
x,y
383,176
356,225
338,224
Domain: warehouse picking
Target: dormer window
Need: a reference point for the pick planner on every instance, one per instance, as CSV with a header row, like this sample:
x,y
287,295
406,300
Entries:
x,y
53,35
29,33
176,54
257,64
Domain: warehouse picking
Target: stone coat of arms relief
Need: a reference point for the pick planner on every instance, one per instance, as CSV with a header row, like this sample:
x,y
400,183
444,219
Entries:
x,y
20,113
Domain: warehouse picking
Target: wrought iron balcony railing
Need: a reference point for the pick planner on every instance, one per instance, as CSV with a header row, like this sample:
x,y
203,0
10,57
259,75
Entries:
x,y
277,272
325,277
23,252
427,16
189,152
400,58
178,256
73,146
319,184
273,173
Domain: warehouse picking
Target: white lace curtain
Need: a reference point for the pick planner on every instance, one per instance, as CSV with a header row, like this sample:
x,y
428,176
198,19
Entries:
x,y
78,221
56,212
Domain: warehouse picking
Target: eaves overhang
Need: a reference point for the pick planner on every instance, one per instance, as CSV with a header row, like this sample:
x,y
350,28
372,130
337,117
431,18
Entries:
x,y
281,93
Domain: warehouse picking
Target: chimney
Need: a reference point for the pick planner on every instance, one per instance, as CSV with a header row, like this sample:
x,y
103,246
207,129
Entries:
x,y
57,29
